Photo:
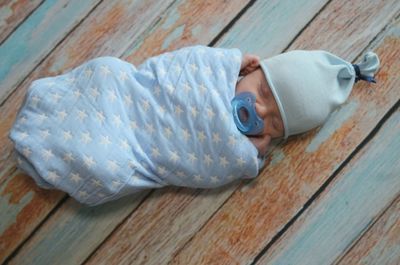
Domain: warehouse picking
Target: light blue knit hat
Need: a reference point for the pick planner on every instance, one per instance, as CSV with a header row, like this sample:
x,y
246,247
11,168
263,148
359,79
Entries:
x,y
309,85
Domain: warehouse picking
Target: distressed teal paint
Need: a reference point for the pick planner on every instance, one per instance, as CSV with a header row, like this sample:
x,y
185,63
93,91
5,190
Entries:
x,y
35,38
349,207
334,122
77,224
269,26
90,233
277,156
175,34
11,210
196,30
59,64
216,28
173,16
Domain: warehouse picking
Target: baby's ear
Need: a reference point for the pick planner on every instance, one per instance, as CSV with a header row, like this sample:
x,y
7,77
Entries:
x,y
250,63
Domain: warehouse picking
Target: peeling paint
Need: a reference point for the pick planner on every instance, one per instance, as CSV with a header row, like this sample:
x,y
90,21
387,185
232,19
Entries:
x,y
216,28
334,122
34,38
175,34
58,65
350,204
12,210
172,18
196,30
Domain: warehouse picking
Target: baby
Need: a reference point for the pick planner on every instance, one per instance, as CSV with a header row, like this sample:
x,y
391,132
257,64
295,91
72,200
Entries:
x,y
197,117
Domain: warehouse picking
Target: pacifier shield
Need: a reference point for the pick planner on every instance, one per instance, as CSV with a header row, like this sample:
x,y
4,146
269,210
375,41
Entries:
x,y
244,114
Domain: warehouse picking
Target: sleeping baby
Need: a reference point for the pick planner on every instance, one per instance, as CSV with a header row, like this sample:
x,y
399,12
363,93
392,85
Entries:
x,y
196,117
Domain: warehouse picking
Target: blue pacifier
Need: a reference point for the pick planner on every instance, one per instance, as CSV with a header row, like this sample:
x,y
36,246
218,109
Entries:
x,y
245,115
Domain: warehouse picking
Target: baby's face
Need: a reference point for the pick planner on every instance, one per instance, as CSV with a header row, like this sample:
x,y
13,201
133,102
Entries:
x,y
266,108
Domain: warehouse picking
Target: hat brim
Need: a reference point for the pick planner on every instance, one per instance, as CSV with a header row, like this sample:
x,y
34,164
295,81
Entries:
x,y
277,99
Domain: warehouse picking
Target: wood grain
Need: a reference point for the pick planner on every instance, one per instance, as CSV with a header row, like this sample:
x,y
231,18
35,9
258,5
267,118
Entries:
x,y
131,20
255,213
19,212
73,223
190,22
381,243
21,52
12,13
162,225
349,205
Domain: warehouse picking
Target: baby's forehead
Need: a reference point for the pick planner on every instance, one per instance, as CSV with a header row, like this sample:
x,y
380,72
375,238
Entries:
x,y
263,80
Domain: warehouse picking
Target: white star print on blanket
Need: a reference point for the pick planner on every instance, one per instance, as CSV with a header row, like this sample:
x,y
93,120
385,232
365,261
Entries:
x,y
106,129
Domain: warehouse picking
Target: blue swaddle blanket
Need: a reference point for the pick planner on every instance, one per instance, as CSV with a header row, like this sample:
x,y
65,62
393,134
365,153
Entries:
x,y
107,129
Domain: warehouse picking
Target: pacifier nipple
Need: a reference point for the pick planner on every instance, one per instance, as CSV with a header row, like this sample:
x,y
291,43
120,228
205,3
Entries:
x,y
243,114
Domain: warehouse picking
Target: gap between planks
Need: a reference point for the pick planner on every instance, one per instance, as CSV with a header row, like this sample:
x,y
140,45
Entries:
x,y
28,73
156,21
326,184
14,169
371,227
376,127
212,43
368,138
19,23
374,43
345,161
222,204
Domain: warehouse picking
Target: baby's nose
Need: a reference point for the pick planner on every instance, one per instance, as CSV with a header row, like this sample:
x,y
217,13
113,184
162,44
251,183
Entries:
x,y
261,110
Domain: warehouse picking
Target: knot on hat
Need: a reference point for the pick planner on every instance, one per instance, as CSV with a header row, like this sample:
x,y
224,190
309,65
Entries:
x,y
367,68
309,85
359,76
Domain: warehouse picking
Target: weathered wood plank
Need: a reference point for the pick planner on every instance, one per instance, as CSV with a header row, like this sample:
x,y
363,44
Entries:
x,y
166,220
112,43
381,243
195,22
245,224
36,37
349,205
19,213
161,229
131,18
12,12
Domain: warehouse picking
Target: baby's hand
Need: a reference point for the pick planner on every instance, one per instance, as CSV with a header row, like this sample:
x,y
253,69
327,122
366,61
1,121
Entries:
x,y
250,63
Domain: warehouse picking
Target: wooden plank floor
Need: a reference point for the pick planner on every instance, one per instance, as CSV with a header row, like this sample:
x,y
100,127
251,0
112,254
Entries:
x,y
331,196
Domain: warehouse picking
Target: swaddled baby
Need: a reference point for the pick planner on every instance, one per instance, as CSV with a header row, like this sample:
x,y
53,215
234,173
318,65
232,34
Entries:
x,y
197,117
